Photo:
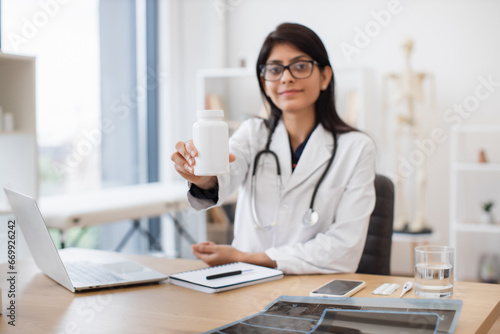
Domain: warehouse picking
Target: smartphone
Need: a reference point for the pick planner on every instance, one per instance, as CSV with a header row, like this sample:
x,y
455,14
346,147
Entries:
x,y
339,288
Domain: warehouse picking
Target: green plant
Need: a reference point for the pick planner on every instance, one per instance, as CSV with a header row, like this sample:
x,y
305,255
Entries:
x,y
487,206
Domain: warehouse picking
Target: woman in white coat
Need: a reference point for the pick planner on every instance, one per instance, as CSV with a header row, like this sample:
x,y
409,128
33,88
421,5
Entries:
x,y
327,169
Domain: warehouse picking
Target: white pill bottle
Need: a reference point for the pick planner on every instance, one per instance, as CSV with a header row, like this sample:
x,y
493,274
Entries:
x,y
211,139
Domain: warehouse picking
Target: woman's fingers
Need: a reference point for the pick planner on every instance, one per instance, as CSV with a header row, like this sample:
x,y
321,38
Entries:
x,y
204,247
184,161
180,164
183,157
191,150
182,150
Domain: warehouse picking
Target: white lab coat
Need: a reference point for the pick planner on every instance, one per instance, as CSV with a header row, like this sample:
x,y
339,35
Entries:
x,y
344,200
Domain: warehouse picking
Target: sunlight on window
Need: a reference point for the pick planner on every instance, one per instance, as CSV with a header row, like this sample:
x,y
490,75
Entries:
x,y
64,38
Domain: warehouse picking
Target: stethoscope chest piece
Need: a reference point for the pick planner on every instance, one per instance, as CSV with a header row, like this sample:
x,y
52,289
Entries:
x,y
311,218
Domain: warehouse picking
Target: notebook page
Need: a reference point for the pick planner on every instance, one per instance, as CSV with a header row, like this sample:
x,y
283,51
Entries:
x,y
249,273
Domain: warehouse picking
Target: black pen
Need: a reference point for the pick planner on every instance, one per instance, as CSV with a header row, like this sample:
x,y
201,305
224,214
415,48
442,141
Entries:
x,y
229,273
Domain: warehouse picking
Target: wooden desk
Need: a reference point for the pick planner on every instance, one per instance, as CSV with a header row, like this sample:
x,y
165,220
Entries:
x,y
45,307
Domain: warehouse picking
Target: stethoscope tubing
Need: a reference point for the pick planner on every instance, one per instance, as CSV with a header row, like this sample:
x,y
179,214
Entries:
x,y
257,157
311,210
311,205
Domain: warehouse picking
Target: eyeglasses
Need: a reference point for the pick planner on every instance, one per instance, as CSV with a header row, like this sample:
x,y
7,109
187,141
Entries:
x,y
301,69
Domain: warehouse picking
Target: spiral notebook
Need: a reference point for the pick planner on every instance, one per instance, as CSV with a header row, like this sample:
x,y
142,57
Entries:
x,y
225,277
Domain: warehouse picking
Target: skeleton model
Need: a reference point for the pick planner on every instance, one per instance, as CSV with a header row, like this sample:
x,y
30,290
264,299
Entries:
x,y
405,90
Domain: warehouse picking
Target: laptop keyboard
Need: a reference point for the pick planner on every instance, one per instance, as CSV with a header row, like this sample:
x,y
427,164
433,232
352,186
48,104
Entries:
x,y
86,274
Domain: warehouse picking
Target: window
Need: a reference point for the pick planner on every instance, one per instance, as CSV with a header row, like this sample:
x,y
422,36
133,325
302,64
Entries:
x,y
64,37
96,95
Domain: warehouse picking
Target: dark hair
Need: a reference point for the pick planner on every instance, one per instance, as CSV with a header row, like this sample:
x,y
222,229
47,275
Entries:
x,y
308,42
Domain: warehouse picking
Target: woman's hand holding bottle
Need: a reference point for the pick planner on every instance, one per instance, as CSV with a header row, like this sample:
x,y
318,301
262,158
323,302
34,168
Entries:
x,y
184,160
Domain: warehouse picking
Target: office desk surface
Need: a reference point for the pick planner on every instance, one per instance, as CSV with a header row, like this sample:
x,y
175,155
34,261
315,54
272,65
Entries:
x,y
45,307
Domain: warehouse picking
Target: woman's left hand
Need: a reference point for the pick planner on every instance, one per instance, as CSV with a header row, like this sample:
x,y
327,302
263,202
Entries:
x,y
214,255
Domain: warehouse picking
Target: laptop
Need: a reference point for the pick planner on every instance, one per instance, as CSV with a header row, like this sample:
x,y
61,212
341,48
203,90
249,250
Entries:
x,y
73,275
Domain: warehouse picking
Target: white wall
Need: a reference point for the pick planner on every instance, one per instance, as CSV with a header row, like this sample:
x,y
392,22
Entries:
x,y
457,41
191,37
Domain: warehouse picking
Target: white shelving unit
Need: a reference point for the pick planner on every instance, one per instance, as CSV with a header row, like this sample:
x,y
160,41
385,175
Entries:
x,y
472,183
235,88
18,147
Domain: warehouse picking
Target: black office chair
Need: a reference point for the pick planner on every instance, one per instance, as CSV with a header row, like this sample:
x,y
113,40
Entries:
x,y
376,258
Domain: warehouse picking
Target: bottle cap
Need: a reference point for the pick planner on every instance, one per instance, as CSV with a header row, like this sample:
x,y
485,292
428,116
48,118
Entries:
x,y
210,113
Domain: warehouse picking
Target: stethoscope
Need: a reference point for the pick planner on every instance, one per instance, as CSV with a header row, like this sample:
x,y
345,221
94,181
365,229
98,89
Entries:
x,y
311,216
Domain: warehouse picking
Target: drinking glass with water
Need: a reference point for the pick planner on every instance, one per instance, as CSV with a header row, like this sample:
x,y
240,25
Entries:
x,y
434,271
